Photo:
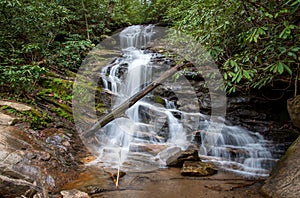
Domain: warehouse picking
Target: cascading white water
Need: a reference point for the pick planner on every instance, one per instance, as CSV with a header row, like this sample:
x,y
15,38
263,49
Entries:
x,y
136,36
150,125
240,150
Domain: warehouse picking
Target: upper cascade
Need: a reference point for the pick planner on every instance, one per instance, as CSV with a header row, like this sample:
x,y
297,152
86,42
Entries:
x,y
136,36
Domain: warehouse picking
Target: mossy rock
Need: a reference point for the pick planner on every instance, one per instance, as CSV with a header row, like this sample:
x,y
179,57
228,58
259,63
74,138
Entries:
x,y
197,169
285,180
159,100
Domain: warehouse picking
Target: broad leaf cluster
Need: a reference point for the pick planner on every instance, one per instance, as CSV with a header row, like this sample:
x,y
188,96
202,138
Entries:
x,y
254,42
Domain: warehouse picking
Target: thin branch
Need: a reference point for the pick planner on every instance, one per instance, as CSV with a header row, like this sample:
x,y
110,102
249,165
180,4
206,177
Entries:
x,y
297,76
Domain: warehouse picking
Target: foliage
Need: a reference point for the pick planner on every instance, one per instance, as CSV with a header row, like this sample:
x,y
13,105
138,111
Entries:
x,y
156,11
20,79
253,42
140,11
70,53
57,88
37,35
60,112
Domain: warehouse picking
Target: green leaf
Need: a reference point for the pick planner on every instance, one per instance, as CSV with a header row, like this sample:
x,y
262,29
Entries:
x,y
246,75
292,55
225,76
280,68
233,63
287,68
295,49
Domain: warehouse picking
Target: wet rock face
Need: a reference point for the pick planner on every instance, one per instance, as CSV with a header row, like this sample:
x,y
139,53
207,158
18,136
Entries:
x,y
197,169
285,178
179,158
28,164
13,147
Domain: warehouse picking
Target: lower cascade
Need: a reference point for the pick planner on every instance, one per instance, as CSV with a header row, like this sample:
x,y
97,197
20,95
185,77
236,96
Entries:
x,y
152,131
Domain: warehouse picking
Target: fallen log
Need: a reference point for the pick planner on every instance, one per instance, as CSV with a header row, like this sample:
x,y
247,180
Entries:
x,y
131,101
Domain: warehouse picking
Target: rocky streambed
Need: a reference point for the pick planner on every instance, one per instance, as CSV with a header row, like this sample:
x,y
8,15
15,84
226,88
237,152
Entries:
x,y
55,163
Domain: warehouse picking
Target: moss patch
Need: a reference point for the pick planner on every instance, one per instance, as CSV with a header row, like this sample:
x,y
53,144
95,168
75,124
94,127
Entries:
x,y
159,100
36,118
57,88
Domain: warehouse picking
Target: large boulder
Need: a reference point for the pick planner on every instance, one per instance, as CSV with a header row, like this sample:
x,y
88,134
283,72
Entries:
x,y
285,177
179,158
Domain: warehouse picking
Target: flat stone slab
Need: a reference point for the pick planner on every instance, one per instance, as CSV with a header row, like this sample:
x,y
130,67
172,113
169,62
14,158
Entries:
x,y
6,120
15,105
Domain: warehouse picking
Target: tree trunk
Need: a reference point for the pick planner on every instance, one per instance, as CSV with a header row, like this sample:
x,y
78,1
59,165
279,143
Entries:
x,y
131,101
86,20
111,6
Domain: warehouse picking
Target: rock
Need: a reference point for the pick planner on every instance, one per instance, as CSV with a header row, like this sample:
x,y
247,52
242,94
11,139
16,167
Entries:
x,y
285,177
179,158
16,106
167,153
74,194
197,136
6,120
115,175
153,149
12,150
88,159
197,169
27,163
94,189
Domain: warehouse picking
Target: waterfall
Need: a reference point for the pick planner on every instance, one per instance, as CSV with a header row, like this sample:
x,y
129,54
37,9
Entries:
x,y
136,36
151,132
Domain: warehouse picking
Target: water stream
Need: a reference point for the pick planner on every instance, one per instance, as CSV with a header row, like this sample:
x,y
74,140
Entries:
x,y
150,132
